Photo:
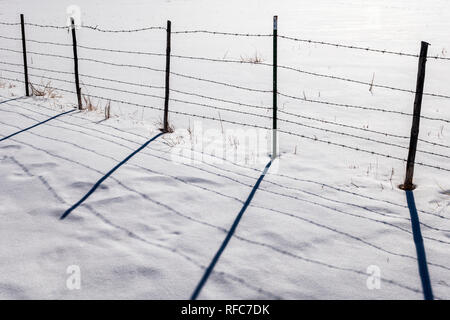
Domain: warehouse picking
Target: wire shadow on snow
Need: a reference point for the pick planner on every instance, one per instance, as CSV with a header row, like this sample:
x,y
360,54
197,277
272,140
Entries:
x,y
99,182
229,235
11,99
418,241
37,124
271,247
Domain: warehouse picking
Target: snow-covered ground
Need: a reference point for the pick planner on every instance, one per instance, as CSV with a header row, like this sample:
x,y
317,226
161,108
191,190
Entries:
x,y
322,216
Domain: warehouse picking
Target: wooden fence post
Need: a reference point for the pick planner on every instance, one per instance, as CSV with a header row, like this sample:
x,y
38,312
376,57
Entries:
x,y
75,59
25,62
408,184
166,98
275,90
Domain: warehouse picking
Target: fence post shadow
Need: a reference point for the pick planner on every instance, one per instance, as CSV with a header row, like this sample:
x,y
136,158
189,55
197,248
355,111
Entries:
x,y
109,173
420,249
230,233
12,99
35,125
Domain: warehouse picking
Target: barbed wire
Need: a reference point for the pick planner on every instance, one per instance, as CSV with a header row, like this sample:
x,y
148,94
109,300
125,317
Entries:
x,y
242,61
249,125
90,95
85,75
231,110
360,150
10,23
176,100
146,95
343,125
220,83
96,28
121,64
359,128
36,68
236,34
358,107
221,100
122,51
38,53
46,26
10,38
211,98
238,103
141,85
374,85
296,39
51,43
367,49
361,138
236,111
37,41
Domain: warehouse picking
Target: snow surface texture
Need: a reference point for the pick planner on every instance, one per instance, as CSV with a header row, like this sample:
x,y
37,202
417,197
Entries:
x,y
321,216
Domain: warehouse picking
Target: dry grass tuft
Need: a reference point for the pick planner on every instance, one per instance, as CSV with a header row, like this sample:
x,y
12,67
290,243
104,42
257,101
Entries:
x,y
256,58
89,104
44,90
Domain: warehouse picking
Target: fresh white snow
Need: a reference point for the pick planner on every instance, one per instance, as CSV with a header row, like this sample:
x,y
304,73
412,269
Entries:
x,y
321,216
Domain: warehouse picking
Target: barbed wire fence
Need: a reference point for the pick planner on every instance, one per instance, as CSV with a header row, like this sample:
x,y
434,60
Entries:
x,y
287,117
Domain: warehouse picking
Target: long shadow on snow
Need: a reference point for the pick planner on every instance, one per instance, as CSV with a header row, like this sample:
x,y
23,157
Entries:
x,y
227,196
229,235
263,208
99,182
280,175
135,236
11,99
418,241
220,228
35,125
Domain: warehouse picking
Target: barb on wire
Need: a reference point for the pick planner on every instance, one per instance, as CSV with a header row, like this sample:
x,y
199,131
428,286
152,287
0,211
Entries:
x,y
367,49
